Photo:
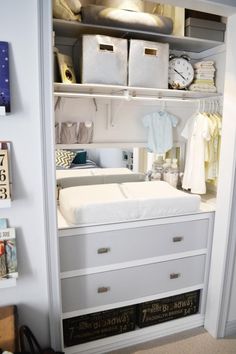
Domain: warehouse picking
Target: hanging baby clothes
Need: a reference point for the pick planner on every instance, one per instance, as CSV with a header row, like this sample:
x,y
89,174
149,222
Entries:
x,y
160,131
213,145
196,131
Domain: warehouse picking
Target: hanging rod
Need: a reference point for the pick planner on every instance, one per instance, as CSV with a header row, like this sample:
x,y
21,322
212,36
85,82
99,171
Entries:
x,y
129,97
88,95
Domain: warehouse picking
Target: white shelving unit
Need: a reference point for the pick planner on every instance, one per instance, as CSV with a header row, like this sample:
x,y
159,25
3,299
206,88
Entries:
x,y
5,203
2,111
7,283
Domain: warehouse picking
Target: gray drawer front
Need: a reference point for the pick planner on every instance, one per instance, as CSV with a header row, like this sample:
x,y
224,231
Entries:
x,y
111,247
126,284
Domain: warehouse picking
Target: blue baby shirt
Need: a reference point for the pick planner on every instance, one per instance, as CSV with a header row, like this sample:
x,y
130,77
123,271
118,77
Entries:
x,y
160,131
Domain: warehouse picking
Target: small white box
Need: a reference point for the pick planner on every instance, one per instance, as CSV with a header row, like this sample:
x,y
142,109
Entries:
x,y
104,60
148,64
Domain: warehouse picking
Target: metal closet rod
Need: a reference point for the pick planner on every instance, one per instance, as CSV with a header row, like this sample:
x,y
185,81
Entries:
x,y
128,97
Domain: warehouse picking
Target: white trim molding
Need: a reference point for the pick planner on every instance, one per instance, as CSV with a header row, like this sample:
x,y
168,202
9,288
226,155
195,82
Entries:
x,y
230,328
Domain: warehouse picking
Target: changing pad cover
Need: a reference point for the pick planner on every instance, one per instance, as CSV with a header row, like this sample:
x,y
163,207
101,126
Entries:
x,y
107,203
99,203
96,176
92,172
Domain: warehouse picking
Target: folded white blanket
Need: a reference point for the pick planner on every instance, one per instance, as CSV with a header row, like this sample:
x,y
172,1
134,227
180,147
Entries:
x,y
202,88
204,63
205,71
204,76
209,82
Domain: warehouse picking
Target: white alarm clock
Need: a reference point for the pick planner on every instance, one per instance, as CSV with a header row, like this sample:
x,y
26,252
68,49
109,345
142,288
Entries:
x,y
181,72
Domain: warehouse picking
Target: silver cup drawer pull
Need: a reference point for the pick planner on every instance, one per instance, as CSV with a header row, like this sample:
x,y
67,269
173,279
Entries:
x,y
175,275
103,289
177,239
103,250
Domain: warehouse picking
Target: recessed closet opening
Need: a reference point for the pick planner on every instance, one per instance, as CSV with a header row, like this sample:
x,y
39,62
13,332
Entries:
x,y
138,117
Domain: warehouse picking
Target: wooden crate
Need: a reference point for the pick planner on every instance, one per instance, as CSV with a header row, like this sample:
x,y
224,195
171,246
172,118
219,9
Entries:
x,y
170,308
8,328
81,329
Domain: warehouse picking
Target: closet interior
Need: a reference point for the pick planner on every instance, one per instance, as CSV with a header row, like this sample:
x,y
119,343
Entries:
x,y
147,258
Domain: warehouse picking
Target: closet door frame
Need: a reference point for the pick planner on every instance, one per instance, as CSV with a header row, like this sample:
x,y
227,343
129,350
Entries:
x,y
48,153
224,241
223,245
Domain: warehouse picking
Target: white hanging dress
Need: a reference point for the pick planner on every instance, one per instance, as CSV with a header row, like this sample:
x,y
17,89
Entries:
x,y
197,133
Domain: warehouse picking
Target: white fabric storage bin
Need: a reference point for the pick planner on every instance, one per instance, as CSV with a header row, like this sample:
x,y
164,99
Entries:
x,y
148,64
104,60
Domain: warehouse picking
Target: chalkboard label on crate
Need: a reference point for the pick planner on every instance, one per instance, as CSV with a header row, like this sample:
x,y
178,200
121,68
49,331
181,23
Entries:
x,y
81,329
170,308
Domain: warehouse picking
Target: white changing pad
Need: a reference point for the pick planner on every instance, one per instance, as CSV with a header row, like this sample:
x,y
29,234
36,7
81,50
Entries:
x,y
106,203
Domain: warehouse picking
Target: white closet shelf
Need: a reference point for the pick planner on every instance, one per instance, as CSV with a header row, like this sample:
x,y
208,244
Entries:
x,y
7,283
95,145
2,111
74,29
5,203
127,92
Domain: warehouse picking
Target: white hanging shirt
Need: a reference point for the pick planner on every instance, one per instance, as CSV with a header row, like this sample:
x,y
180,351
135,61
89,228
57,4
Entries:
x,y
196,131
160,131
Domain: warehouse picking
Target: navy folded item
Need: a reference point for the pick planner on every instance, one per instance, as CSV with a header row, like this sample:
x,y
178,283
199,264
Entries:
x,y
80,158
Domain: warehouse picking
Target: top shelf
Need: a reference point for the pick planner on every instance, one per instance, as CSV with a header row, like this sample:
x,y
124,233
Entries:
x,y
74,29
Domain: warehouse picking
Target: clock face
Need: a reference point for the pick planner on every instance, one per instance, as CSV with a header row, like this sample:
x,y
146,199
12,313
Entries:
x,y
181,73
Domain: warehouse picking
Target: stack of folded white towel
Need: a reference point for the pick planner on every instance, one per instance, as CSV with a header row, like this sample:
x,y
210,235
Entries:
x,y
204,77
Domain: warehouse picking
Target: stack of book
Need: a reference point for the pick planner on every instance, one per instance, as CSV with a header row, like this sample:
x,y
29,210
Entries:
x,y
8,257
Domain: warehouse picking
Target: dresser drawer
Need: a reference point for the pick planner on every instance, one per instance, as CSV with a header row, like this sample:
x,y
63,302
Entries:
x,y
110,247
111,287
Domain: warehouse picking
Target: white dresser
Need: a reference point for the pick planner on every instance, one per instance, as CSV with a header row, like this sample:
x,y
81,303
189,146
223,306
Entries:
x,y
116,265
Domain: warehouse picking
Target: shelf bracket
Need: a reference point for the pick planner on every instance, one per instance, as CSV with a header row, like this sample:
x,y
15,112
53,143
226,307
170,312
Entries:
x,y
95,104
2,111
127,95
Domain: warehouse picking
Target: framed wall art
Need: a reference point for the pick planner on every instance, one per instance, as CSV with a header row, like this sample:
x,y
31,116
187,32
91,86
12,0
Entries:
x,y
5,106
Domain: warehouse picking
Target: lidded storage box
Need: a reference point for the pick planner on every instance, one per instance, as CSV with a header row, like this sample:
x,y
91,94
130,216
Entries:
x,y
205,29
148,64
104,60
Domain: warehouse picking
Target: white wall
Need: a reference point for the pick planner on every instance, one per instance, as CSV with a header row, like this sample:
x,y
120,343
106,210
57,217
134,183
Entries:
x,y
19,27
232,307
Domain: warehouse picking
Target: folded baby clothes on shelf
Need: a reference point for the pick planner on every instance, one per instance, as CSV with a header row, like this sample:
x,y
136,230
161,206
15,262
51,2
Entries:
x,y
202,88
204,64
204,77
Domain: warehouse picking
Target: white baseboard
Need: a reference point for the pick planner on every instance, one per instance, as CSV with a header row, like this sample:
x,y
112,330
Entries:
x,y
138,336
230,328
